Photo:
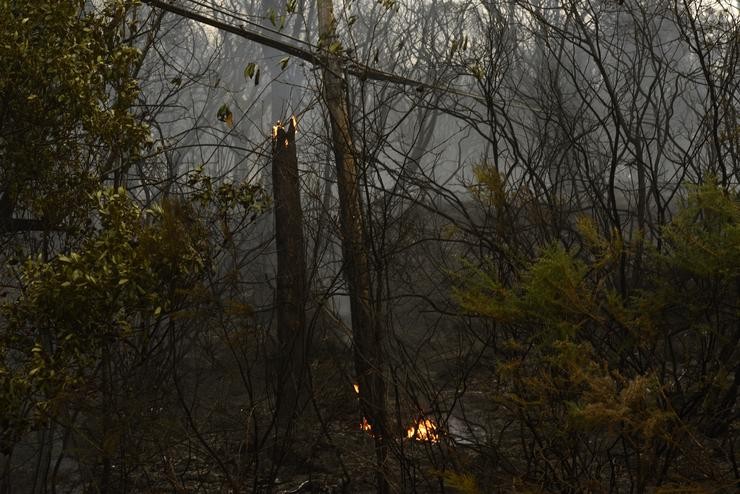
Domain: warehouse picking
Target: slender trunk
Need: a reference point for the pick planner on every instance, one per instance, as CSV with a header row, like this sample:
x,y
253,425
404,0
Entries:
x,y
105,484
366,329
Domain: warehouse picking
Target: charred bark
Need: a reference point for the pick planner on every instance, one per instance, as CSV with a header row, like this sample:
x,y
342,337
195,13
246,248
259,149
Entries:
x,y
367,331
293,338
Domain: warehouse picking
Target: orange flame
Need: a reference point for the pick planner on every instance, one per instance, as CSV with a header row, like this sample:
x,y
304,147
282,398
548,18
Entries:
x,y
364,425
424,430
279,125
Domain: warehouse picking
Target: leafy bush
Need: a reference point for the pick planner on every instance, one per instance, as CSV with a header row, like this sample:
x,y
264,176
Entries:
x,y
601,390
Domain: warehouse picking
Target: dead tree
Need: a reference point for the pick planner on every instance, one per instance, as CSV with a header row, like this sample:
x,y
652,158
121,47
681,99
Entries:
x,y
291,276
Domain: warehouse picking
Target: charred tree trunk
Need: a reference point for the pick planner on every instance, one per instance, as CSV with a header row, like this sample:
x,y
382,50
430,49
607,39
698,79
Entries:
x,y
291,277
367,331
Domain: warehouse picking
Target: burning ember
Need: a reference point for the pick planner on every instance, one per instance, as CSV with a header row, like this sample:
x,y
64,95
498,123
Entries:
x,y
357,388
424,430
365,425
280,125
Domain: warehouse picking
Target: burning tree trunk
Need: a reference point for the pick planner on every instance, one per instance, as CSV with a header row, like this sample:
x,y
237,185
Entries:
x,y
367,331
291,275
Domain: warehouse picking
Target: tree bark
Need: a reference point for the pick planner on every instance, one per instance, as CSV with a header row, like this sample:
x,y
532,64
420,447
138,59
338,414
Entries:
x,y
293,338
367,331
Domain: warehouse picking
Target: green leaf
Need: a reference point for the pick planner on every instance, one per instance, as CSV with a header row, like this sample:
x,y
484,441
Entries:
x,y
223,112
335,48
249,70
225,115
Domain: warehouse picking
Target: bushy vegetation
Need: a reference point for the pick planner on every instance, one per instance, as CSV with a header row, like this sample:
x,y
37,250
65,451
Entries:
x,y
631,387
500,253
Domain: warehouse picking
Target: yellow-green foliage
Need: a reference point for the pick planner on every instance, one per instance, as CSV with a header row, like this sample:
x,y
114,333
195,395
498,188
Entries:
x,y
133,269
583,366
490,186
67,89
705,236
461,483
67,123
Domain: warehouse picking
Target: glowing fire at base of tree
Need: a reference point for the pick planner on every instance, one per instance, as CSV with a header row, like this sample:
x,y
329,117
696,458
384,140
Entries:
x,y
365,425
423,430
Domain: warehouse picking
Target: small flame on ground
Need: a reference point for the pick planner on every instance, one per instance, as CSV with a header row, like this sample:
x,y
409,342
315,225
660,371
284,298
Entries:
x,y
365,425
357,388
424,430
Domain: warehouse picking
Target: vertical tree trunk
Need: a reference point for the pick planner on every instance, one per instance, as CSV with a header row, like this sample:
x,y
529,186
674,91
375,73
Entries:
x,y
366,329
105,484
291,276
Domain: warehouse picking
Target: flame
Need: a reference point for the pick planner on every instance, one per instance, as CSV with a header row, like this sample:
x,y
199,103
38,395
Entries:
x,y
364,425
424,430
279,125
